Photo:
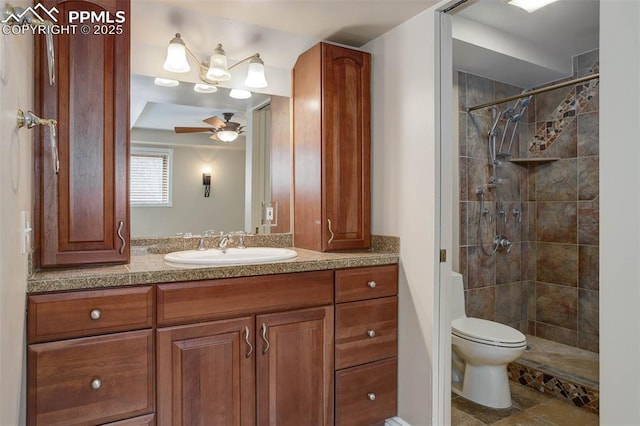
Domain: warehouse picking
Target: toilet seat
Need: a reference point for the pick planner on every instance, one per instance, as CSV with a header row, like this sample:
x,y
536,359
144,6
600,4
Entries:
x,y
488,333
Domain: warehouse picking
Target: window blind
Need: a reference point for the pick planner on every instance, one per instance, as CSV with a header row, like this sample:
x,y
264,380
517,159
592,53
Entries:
x,y
150,177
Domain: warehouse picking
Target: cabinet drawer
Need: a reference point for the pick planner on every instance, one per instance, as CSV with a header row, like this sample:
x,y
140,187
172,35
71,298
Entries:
x,y
66,315
92,380
366,394
204,300
366,331
366,283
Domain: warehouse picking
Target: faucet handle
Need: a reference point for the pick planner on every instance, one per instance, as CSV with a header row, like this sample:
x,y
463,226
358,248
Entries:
x,y
241,235
209,233
184,234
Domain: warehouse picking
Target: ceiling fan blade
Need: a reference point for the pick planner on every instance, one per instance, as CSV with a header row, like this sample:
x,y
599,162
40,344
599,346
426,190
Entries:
x,y
192,129
215,121
213,137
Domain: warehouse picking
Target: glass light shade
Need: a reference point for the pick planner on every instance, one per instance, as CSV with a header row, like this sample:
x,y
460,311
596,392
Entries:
x,y
166,82
255,76
531,5
240,94
176,56
227,135
204,88
218,69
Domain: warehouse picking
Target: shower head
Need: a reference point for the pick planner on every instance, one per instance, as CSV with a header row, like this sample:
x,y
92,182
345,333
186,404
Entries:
x,y
525,102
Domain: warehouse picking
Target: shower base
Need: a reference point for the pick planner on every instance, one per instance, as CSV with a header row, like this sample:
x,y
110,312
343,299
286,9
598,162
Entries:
x,y
566,372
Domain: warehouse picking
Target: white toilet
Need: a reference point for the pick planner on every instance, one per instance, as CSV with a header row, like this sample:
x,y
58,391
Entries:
x,y
481,350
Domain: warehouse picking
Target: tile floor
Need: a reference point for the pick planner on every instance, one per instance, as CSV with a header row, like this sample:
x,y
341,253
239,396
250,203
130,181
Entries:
x,y
529,408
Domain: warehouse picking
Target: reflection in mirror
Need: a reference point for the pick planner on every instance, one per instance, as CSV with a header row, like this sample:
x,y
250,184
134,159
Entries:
x,y
168,169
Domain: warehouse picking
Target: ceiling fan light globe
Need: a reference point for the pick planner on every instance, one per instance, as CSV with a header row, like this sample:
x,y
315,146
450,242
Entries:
x,y
255,76
227,135
176,60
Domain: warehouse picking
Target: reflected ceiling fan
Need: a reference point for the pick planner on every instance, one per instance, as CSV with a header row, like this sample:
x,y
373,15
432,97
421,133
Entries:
x,y
223,130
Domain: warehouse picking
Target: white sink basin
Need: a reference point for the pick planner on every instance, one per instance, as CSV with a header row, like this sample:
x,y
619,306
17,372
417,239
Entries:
x,y
232,256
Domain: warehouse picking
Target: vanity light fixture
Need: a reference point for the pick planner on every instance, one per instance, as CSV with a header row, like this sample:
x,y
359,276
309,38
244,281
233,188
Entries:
x,y
166,82
204,88
206,182
217,69
240,94
531,5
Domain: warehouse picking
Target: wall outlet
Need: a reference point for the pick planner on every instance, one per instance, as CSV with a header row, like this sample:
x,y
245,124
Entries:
x,y
269,213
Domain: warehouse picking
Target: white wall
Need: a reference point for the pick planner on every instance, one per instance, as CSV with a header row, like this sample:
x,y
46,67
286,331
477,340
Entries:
x,y
404,195
619,212
16,159
191,212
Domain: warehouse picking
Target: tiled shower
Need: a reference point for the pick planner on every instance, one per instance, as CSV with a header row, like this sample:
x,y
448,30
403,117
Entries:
x,y
547,206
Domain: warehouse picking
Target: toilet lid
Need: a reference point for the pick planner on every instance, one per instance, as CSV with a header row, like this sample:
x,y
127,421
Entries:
x,y
487,332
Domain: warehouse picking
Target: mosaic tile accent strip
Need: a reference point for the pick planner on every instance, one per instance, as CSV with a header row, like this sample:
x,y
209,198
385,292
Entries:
x,y
581,395
572,105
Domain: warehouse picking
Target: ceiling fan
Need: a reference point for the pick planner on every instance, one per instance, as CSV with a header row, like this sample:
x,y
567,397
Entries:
x,y
223,130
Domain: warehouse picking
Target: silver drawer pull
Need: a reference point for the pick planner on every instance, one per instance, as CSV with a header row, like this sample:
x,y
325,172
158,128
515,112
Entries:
x,y
371,333
96,383
371,284
371,396
96,314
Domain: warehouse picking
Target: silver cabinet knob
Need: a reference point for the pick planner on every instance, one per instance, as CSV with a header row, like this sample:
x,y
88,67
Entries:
x,y
371,396
371,284
96,314
371,333
96,384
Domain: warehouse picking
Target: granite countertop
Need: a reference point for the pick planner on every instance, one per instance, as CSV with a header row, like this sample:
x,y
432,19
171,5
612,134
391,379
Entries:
x,y
148,268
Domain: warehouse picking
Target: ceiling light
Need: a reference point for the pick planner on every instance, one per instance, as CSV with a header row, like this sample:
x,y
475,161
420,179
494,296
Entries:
x,y
176,56
227,135
166,82
204,88
531,5
217,69
240,94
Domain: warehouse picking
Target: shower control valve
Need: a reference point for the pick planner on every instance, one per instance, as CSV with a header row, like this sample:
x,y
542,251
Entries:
x,y
502,243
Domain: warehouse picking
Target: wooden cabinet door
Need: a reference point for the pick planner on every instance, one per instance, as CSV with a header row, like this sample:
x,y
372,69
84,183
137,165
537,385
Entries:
x,y
332,143
346,125
206,374
294,368
82,213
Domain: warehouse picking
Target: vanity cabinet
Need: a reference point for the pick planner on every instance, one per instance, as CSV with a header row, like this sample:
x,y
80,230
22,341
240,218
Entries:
x,y
91,357
81,188
366,345
331,133
270,363
308,348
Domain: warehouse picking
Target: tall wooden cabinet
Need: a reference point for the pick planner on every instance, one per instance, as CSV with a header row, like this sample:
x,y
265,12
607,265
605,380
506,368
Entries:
x,y
81,209
331,125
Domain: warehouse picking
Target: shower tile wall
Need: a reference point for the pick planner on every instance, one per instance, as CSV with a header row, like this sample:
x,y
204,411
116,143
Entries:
x,y
547,285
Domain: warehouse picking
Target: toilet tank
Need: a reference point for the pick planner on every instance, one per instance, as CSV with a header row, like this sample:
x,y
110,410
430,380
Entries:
x,y
457,296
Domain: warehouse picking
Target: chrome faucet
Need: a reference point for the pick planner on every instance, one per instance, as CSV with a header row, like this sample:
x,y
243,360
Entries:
x,y
222,244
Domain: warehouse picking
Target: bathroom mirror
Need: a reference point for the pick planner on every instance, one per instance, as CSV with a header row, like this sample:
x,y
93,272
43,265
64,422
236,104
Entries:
x,y
169,169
